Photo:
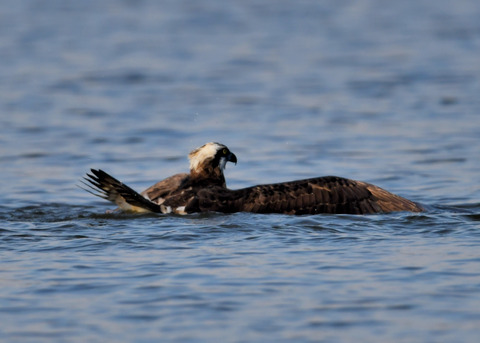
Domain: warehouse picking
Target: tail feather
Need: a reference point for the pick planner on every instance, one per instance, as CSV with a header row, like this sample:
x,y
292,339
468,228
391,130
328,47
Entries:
x,y
105,186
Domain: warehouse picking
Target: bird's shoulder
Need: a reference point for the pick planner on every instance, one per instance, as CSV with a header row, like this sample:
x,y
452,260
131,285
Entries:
x,y
166,186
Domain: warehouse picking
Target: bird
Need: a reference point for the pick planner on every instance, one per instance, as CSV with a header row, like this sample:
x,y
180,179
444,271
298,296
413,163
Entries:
x,y
204,189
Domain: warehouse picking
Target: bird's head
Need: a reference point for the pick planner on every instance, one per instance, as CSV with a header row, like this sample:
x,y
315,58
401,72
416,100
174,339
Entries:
x,y
208,161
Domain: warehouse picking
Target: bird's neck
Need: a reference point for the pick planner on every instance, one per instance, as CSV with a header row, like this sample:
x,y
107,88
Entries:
x,y
208,175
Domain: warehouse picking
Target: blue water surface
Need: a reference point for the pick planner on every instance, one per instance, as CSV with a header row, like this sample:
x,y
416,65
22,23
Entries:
x,y
381,91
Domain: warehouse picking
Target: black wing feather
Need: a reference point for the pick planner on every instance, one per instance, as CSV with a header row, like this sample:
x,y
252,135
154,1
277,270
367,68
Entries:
x,y
107,187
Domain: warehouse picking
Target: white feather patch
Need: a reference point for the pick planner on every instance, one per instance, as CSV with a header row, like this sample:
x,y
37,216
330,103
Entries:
x,y
180,210
205,152
165,209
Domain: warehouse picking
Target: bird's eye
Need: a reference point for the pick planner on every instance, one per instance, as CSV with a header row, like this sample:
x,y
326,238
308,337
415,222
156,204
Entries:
x,y
225,151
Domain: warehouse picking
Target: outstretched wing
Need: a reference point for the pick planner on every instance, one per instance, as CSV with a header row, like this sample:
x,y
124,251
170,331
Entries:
x,y
107,187
319,195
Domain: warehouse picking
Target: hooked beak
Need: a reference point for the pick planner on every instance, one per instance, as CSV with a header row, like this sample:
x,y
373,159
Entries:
x,y
230,158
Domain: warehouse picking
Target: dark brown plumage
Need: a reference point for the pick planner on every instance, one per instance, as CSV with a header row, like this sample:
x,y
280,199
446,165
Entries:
x,y
328,194
204,189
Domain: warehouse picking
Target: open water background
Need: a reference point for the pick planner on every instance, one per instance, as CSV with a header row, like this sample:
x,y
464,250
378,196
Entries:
x,y
382,91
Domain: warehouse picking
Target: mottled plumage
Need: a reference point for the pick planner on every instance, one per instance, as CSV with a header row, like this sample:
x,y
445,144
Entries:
x,y
204,189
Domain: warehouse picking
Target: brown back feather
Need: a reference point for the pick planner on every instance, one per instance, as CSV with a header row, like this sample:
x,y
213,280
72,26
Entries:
x,y
164,188
318,195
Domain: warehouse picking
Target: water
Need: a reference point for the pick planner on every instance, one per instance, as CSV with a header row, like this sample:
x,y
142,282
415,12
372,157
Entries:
x,y
385,92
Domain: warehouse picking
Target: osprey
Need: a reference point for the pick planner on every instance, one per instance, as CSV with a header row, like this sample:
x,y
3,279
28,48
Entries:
x,y
204,189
